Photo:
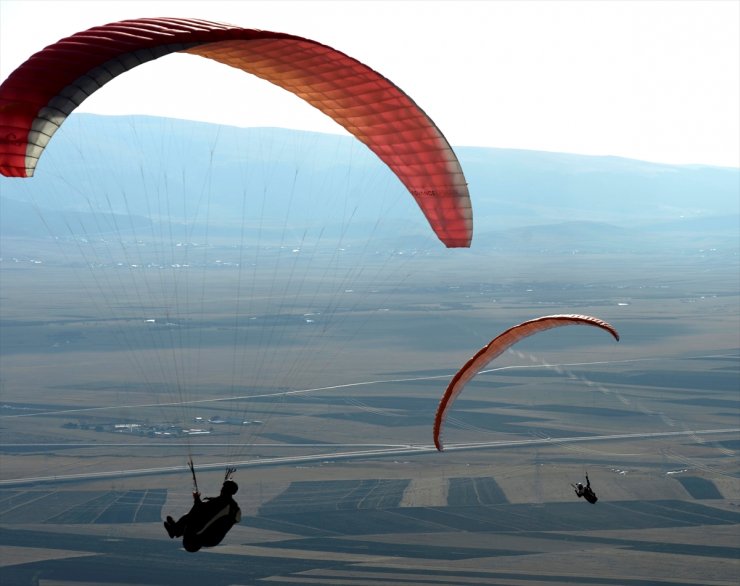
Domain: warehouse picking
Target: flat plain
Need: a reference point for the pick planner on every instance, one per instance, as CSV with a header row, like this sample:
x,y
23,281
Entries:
x,y
325,401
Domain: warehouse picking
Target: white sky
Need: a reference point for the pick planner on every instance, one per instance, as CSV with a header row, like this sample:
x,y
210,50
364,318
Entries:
x,y
658,81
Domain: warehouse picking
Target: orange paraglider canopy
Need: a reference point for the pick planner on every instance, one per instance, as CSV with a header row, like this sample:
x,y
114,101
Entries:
x,y
498,346
39,95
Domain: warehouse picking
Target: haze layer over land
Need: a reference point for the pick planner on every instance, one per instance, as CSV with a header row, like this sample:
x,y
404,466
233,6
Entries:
x,y
296,316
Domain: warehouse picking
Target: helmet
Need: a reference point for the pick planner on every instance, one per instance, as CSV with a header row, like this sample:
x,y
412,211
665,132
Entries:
x,y
579,485
229,487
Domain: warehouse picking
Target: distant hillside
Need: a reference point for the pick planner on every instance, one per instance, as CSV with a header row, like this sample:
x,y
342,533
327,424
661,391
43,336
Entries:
x,y
519,188
718,232
526,199
21,218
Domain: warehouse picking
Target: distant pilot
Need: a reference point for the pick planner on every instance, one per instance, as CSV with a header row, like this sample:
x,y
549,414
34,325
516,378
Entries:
x,y
208,521
585,491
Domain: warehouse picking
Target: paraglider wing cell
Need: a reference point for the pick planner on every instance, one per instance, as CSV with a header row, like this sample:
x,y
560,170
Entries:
x,y
39,95
499,345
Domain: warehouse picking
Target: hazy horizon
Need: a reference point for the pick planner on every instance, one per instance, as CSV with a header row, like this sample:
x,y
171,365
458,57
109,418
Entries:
x,y
297,316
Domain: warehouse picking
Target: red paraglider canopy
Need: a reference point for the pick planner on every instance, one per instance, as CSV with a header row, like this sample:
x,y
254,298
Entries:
x,y
38,96
498,346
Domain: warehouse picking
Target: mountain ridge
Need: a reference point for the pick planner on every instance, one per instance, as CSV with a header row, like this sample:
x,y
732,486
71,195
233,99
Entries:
x,y
518,196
